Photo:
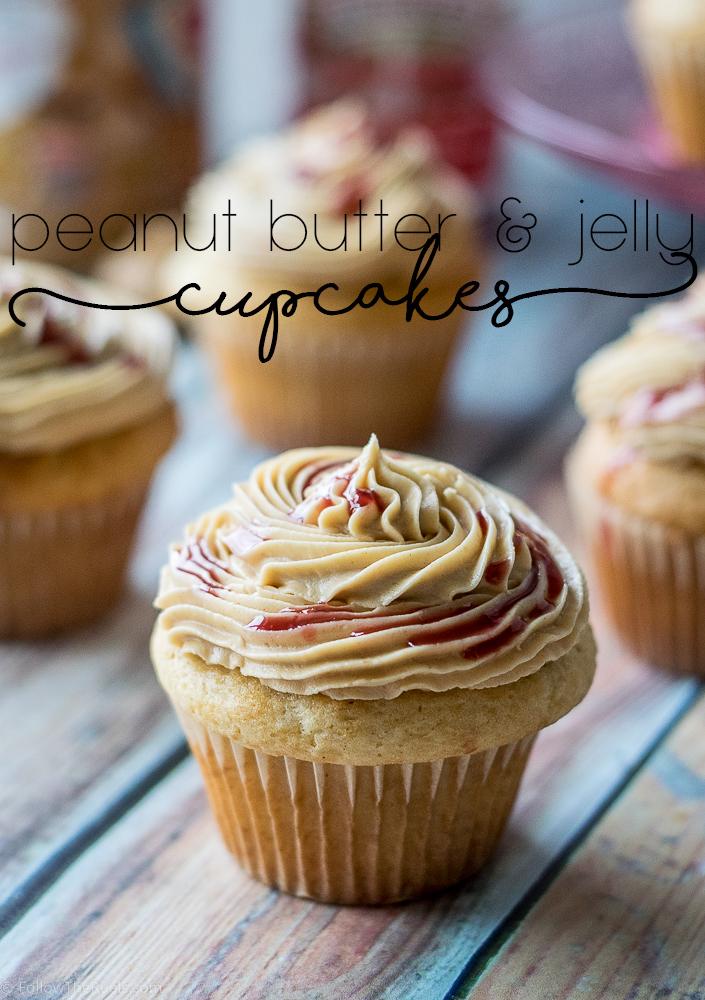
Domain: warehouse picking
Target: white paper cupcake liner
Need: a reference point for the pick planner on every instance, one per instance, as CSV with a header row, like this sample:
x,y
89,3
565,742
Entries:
x,y
358,835
63,567
337,387
652,579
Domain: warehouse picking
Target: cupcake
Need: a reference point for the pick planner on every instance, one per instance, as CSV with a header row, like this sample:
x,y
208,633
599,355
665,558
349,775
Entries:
x,y
669,36
637,478
84,419
361,647
324,183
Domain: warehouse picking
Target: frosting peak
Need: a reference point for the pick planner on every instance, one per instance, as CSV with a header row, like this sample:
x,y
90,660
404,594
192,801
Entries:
x,y
333,143
373,498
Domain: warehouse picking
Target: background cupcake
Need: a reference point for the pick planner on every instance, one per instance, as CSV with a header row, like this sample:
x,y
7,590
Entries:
x,y
361,649
331,378
84,419
669,36
637,477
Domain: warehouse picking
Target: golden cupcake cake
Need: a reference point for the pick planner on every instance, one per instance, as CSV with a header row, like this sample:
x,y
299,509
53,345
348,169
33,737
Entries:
x,y
669,36
320,204
84,418
362,647
637,478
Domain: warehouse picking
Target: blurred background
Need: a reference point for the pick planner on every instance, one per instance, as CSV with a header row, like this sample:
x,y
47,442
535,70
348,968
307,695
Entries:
x,y
112,107
116,107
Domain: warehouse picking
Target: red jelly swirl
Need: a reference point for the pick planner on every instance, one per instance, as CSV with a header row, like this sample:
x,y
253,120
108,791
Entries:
x,y
195,559
664,405
449,628
325,614
356,498
54,335
317,471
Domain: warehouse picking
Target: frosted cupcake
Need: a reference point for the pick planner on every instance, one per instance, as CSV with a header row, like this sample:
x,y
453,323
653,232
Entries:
x,y
669,36
331,378
637,477
84,419
361,648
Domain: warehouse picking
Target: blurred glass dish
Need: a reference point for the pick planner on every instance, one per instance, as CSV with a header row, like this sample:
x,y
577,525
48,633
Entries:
x,y
574,84
413,62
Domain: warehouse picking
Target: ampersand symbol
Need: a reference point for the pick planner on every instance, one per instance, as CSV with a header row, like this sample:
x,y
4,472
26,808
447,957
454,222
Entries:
x,y
511,235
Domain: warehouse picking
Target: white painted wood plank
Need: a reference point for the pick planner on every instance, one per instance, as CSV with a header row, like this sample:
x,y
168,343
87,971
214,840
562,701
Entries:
x,y
625,919
82,718
158,900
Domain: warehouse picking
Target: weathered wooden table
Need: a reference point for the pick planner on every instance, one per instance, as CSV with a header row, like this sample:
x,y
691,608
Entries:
x,y
113,878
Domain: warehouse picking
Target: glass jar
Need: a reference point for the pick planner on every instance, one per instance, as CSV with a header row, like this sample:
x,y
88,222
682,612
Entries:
x,y
413,61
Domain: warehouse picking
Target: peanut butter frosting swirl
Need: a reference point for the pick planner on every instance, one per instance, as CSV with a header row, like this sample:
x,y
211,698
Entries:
x,y
71,373
649,386
365,574
320,170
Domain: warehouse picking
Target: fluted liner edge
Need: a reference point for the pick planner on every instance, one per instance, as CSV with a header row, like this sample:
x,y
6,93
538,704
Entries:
x,y
353,834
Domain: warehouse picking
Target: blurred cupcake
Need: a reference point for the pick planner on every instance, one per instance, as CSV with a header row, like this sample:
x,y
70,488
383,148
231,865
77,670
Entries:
x,y
637,477
84,419
669,36
325,183
361,648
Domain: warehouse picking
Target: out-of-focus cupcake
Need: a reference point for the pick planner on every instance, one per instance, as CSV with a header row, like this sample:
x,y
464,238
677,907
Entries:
x,y
637,478
361,648
84,419
331,377
669,36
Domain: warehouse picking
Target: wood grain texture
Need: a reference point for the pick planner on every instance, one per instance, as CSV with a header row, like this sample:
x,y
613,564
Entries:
x,y
626,918
158,901
82,718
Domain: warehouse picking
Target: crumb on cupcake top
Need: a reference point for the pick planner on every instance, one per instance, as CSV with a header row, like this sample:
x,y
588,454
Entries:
x,y
364,574
72,374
